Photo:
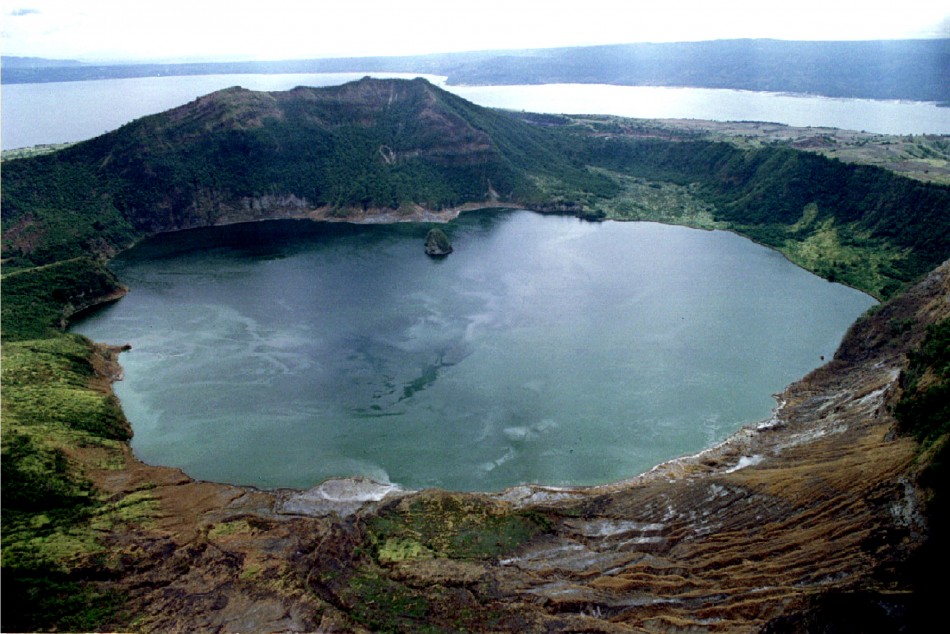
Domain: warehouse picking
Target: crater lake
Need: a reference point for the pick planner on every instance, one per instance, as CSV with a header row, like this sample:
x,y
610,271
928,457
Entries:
x,y
544,349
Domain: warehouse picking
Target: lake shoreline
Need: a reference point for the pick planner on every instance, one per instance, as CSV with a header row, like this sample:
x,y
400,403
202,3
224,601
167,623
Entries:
x,y
121,338
807,491
763,437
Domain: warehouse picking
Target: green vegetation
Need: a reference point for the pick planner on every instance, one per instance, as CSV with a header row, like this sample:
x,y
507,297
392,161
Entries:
x,y
437,243
386,605
54,209
47,383
386,587
658,201
36,150
48,599
52,515
451,526
366,145
925,158
857,224
924,408
381,145
395,145
53,406
383,604
37,302
924,412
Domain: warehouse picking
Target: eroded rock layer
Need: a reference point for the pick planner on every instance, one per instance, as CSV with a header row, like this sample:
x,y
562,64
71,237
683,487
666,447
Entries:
x,y
806,518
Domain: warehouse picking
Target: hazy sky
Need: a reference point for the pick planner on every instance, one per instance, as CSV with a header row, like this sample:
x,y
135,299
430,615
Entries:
x,y
143,30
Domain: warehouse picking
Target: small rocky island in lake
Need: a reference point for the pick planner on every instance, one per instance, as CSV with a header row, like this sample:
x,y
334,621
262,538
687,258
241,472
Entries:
x,y
437,243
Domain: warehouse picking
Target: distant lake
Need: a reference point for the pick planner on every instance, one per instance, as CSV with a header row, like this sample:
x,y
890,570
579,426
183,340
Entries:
x,y
34,114
544,349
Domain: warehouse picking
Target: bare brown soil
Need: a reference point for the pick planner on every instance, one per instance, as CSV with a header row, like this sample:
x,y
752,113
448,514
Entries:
x,y
818,503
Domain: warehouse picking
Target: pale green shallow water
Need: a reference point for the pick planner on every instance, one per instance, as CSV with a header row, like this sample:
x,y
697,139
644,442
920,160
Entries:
x,y
544,349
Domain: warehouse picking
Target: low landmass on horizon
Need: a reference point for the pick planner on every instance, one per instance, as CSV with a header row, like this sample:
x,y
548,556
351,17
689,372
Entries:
x,y
883,69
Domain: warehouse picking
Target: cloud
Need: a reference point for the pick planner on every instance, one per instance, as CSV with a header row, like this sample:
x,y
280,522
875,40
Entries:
x,y
96,30
942,29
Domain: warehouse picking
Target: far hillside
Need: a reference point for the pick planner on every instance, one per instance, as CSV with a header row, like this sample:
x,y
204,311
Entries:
x,y
884,69
390,150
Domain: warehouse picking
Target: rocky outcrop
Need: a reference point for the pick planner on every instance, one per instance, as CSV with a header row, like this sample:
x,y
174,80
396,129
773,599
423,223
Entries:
x,y
800,521
437,243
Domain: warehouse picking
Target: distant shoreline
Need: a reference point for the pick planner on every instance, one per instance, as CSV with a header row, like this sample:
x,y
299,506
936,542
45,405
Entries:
x,y
892,69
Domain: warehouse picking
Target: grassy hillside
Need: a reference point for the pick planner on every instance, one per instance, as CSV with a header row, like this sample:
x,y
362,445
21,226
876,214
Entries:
x,y
857,224
239,155
373,146
395,147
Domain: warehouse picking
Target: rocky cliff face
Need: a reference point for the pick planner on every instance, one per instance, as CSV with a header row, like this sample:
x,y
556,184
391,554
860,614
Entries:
x,y
802,522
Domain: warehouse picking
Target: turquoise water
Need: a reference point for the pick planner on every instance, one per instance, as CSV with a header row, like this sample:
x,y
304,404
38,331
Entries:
x,y
544,349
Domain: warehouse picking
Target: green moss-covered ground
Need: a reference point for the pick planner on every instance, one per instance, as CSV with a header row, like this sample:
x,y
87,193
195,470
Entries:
x,y
451,526
386,586
53,517
54,404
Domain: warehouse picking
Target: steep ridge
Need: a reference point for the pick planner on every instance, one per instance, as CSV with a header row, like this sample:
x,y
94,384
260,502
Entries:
x,y
378,147
397,150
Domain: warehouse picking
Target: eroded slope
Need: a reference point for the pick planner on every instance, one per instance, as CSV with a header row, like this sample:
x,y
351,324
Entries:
x,y
810,515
